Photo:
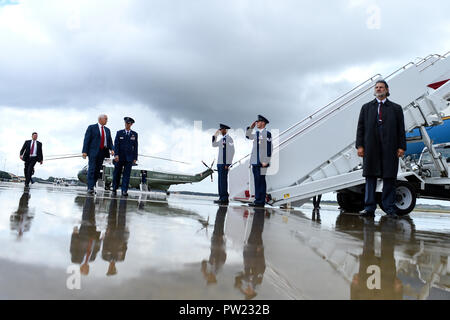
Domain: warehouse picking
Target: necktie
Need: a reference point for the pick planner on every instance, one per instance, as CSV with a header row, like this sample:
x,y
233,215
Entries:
x,y
102,141
224,143
257,147
32,148
380,113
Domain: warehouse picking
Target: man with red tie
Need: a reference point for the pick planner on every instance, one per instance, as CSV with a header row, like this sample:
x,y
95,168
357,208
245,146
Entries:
x,y
97,146
381,141
31,153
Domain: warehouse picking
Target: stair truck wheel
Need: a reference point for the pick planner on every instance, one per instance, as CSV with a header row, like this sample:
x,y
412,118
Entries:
x,y
350,201
405,198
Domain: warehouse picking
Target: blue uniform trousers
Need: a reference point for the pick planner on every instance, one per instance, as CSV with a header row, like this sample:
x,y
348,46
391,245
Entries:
x,y
260,185
94,166
223,182
120,166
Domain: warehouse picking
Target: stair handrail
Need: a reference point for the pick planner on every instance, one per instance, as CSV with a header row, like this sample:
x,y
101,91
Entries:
x,y
400,69
427,58
320,110
323,117
329,104
440,58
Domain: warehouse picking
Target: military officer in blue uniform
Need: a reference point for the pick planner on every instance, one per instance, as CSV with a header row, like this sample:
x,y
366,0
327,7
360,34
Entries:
x,y
125,155
224,160
260,157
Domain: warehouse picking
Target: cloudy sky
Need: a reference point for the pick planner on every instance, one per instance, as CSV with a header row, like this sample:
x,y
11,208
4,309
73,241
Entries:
x,y
181,67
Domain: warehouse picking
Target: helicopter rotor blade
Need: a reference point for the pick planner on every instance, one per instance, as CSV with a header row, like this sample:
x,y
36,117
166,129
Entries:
x,y
205,164
65,157
160,158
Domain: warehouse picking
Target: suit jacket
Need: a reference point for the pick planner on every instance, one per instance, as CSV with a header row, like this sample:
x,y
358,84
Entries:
x,y
25,151
92,138
263,144
380,159
226,149
126,146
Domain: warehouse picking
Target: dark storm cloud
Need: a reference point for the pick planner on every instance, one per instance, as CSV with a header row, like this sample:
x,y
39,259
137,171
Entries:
x,y
214,61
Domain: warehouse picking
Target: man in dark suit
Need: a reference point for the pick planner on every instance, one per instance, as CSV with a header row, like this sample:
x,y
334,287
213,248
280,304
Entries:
x,y
31,153
381,141
97,145
126,154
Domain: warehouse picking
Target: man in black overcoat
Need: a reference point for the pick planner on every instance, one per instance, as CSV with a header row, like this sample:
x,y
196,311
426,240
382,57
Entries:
x,y
381,141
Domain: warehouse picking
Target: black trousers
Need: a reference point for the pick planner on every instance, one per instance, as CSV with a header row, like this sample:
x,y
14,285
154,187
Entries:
x,y
28,169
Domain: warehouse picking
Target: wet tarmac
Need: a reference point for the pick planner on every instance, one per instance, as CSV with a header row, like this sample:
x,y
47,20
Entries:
x,y
59,243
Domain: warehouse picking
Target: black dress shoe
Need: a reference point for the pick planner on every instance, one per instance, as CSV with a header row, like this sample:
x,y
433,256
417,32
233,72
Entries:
x,y
91,191
114,193
217,201
365,213
124,194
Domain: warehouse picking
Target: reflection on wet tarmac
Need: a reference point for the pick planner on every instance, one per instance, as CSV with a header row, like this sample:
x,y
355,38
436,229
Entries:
x,y
254,261
218,254
85,242
116,235
155,249
377,276
391,250
21,219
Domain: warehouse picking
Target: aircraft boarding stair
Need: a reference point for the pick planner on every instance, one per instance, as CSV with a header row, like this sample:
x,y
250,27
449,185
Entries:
x,y
317,155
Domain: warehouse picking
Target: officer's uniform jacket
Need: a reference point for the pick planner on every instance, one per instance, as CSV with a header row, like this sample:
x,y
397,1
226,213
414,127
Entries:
x,y
262,146
226,149
126,146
